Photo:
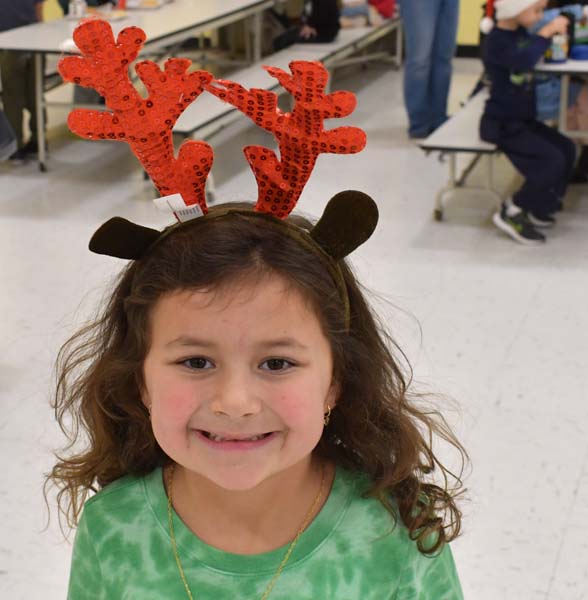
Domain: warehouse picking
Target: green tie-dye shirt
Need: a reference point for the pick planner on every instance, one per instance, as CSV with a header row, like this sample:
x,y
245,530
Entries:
x,y
351,551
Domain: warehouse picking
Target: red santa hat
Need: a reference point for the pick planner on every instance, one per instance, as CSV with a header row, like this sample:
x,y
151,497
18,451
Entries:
x,y
505,9
487,22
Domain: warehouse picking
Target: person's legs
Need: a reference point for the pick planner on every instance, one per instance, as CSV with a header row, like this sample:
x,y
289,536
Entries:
x,y
286,39
292,36
566,148
419,18
444,47
14,90
319,38
282,18
539,161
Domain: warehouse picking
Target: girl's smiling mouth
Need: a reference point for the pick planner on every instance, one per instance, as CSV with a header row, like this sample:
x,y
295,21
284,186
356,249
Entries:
x,y
234,441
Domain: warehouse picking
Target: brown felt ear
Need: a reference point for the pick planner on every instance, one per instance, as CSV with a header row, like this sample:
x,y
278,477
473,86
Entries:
x,y
348,221
122,239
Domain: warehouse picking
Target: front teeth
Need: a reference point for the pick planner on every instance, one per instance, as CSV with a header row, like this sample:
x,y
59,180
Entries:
x,y
218,438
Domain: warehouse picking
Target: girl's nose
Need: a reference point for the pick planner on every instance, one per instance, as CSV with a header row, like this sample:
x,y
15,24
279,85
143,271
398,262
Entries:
x,y
235,396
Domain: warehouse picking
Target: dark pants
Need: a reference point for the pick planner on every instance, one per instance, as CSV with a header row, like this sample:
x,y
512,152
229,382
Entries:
x,y
17,70
541,154
292,36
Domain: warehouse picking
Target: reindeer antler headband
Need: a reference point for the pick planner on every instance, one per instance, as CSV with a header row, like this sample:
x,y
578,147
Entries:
x,y
146,125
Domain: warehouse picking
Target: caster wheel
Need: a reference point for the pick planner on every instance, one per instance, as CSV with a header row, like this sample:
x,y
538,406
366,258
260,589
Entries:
x,y
145,176
438,214
43,167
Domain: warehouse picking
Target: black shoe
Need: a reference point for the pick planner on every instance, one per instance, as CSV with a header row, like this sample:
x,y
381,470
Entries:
x,y
18,157
540,220
418,136
31,148
518,227
421,134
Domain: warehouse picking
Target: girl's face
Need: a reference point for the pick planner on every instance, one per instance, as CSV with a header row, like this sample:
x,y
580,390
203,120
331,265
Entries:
x,y
532,14
238,380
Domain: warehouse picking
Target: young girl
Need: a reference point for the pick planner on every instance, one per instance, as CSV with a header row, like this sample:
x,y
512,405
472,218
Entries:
x,y
247,428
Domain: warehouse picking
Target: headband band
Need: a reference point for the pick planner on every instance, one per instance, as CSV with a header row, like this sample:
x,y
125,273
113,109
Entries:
x,y
301,236
348,220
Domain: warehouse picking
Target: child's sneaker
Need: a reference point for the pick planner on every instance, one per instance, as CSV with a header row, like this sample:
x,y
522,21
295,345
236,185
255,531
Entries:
x,y
541,220
517,226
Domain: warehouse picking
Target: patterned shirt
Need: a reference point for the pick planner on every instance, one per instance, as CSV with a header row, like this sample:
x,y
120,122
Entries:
x,y
351,551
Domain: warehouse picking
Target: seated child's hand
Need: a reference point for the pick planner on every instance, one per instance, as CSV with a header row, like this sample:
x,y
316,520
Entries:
x,y
307,32
558,25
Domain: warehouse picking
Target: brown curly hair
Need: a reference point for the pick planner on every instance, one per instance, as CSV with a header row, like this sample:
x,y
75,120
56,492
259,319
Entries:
x,y
376,428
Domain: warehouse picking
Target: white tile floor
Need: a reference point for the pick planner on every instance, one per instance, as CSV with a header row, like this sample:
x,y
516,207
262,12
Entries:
x,y
503,333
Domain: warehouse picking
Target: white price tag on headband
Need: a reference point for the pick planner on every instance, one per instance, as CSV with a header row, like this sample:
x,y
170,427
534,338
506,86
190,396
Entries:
x,y
175,204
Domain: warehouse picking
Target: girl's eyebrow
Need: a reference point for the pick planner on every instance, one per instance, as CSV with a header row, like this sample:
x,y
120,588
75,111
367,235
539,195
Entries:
x,y
186,340
286,342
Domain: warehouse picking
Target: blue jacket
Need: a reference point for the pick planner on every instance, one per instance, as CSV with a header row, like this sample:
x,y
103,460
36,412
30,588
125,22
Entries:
x,y
548,87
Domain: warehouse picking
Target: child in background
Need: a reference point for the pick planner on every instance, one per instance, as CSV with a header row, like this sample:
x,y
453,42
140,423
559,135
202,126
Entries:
x,y
543,156
548,89
319,25
246,423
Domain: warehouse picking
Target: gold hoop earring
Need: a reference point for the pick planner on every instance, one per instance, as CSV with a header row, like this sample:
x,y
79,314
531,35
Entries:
x,y
327,415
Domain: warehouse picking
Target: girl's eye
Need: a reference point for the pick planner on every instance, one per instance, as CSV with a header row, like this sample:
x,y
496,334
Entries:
x,y
197,363
276,364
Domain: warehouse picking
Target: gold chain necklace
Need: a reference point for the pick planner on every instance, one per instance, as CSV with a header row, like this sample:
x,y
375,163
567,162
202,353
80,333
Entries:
x,y
272,583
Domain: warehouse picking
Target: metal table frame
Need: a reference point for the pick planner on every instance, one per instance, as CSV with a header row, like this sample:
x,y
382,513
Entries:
x,y
459,134
565,71
251,10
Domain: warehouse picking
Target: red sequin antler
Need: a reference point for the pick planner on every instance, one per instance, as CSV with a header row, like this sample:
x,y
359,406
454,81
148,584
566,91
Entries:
x,y
300,134
144,123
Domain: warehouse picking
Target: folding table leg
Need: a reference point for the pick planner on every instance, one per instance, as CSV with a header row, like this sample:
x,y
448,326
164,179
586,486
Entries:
x,y
40,109
398,57
210,189
563,102
256,21
438,211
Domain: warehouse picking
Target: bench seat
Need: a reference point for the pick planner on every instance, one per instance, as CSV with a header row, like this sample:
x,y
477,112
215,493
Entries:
x,y
460,134
207,115
202,115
